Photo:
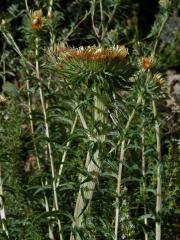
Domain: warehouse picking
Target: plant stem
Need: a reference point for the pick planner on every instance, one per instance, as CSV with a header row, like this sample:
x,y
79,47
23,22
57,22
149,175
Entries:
x,y
27,7
93,6
102,20
50,9
144,167
48,137
121,162
144,174
2,209
159,159
158,142
51,235
65,153
93,167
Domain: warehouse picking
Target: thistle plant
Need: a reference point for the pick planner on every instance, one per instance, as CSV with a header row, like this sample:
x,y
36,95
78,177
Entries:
x,y
97,68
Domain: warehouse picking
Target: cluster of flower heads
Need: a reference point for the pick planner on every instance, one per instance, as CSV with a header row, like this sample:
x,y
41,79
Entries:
x,y
37,20
90,53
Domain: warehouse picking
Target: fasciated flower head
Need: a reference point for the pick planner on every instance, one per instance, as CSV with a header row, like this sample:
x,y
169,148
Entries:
x,y
105,66
146,63
37,20
93,53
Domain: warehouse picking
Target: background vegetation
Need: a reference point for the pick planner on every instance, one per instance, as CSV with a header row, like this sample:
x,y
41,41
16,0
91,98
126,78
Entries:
x,y
89,137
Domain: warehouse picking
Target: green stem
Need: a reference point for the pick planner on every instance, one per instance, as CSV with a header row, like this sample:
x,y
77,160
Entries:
x,y
2,208
51,235
144,173
121,162
144,168
93,167
47,134
65,153
50,9
159,159
159,33
158,141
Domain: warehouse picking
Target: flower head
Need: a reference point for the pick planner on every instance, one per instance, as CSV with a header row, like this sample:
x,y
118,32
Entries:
x,y
92,53
158,79
146,63
3,100
37,20
91,64
3,22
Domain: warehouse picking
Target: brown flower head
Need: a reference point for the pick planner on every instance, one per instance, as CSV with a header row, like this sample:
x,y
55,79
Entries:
x,y
37,20
146,63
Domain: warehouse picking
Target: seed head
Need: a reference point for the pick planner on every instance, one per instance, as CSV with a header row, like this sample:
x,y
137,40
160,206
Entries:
x,y
37,20
146,63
